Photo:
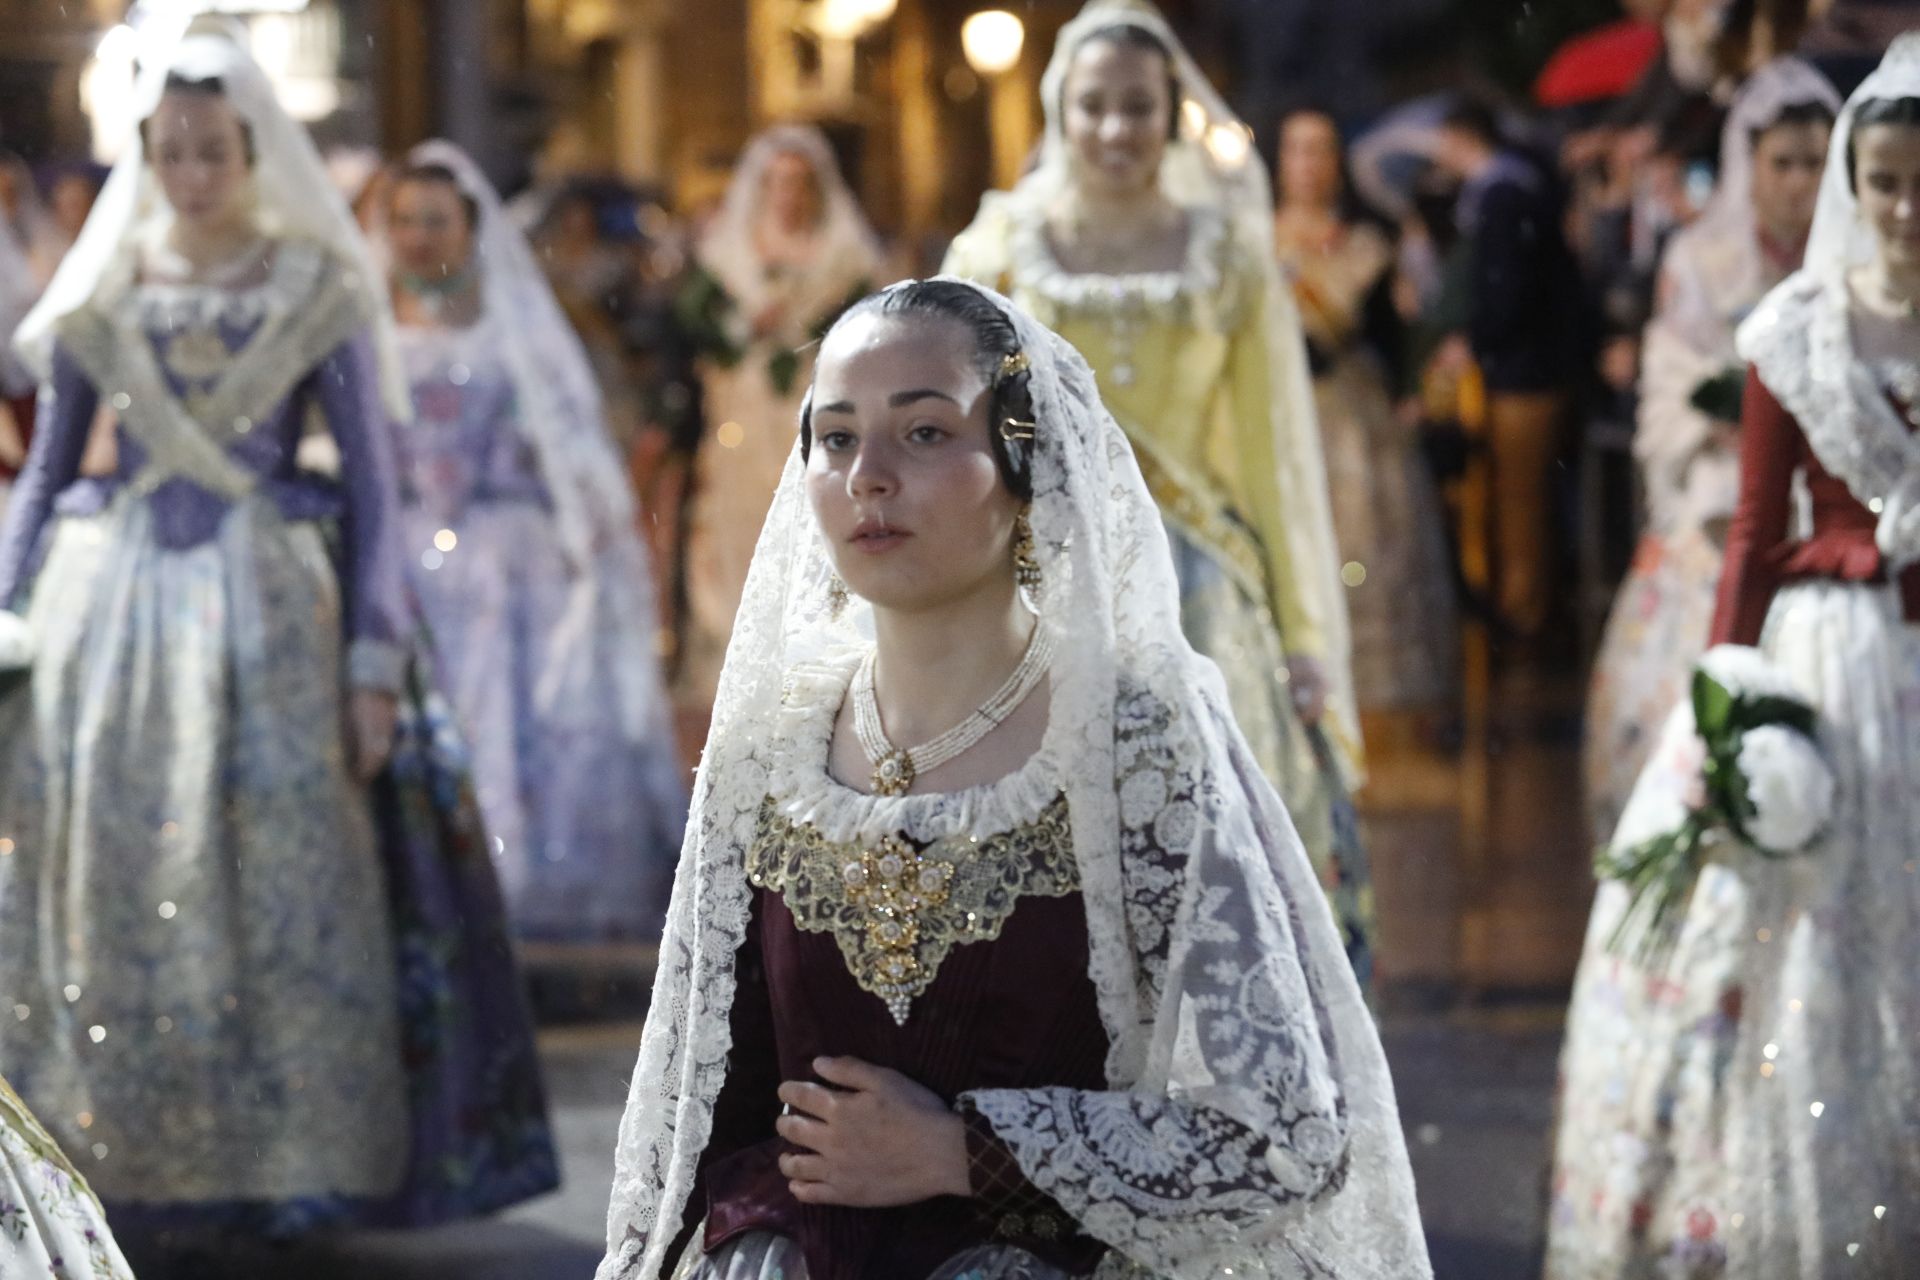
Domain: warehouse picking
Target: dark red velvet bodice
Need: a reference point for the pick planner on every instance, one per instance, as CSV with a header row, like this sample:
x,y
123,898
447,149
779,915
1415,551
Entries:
x,y
1019,1011
1761,557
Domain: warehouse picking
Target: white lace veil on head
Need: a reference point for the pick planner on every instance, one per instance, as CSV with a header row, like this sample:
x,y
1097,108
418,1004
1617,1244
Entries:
x,y
1211,161
1841,239
1800,339
1211,165
1249,1121
1780,84
560,409
727,248
293,196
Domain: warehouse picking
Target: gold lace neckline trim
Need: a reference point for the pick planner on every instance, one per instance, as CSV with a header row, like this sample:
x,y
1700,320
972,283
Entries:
x,y
897,908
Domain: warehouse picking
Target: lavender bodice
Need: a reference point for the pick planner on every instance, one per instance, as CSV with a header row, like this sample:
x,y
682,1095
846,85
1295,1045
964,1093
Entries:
x,y
198,334
464,445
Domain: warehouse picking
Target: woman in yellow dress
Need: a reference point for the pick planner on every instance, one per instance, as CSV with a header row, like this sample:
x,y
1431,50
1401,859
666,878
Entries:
x,y
1143,236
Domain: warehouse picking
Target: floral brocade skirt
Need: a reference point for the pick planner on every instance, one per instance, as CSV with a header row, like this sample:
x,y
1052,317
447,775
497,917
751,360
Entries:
x,y
553,677
1388,520
50,1223
1234,629
242,989
1748,1108
1657,629
761,1255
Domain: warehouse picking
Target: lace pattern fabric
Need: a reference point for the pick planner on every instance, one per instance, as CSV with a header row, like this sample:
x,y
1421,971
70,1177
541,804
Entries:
x,y
50,1223
1249,1120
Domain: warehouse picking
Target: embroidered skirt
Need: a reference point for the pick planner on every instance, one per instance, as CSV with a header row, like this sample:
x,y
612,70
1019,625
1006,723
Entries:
x,y
1748,1108
238,984
761,1255
555,684
1656,630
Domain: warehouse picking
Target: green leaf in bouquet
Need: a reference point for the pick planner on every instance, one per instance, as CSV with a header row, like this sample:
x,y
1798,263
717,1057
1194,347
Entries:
x,y
701,308
783,369
1712,707
1659,875
1751,713
1720,396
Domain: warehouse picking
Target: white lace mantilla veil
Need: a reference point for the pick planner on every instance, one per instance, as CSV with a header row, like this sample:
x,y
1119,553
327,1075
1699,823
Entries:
x,y
1762,97
1212,165
1728,217
1800,341
293,195
1250,1122
726,249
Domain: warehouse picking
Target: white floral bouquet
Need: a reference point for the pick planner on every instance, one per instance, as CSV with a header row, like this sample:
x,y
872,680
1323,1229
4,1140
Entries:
x,y
1749,771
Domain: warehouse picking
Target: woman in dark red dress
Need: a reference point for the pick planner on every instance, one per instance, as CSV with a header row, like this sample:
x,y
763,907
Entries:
x,y
1051,993
1749,1108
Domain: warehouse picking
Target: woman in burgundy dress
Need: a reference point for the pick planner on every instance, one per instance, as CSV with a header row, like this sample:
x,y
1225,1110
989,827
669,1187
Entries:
x,y
1749,1108
1052,992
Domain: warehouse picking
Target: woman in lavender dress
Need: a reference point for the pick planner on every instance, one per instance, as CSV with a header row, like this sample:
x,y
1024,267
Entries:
x,y
250,949
519,532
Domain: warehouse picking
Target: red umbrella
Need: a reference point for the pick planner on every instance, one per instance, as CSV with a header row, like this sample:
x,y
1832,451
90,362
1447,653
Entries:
x,y
1603,63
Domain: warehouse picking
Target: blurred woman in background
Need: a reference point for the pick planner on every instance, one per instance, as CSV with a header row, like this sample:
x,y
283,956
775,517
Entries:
x,y
787,252
520,540
1144,235
1386,507
1748,239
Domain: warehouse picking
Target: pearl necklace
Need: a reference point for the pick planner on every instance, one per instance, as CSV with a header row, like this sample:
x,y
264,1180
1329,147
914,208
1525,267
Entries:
x,y
895,768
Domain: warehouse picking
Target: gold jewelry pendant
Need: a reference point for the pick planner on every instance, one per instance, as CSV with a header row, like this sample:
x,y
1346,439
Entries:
x,y
1026,565
893,773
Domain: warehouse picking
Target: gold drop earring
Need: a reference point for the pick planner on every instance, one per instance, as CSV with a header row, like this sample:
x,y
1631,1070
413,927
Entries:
x,y
1026,565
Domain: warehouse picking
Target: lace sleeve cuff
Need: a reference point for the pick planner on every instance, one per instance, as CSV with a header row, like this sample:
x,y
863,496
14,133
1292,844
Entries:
x,y
376,665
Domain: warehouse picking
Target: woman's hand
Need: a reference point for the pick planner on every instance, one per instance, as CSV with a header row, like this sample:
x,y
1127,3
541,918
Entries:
x,y
372,717
874,1140
1307,681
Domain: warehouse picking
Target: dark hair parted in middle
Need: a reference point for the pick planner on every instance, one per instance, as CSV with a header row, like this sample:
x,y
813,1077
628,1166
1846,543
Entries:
x,y
1793,115
1127,36
1902,111
435,172
206,87
994,339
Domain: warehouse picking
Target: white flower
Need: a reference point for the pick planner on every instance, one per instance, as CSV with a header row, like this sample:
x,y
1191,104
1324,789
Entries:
x,y
1745,672
16,642
1790,787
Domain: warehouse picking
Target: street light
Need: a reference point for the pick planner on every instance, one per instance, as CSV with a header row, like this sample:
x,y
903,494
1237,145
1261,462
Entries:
x,y
850,19
992,40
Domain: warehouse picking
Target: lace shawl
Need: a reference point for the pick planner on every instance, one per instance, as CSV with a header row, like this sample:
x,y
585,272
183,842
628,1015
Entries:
x,y
1249,1123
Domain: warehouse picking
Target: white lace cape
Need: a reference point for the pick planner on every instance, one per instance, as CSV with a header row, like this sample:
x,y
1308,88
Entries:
x,y
1250,1122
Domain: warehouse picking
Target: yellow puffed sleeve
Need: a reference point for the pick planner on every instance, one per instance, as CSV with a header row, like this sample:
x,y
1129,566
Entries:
x,y
1280,479
981,253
